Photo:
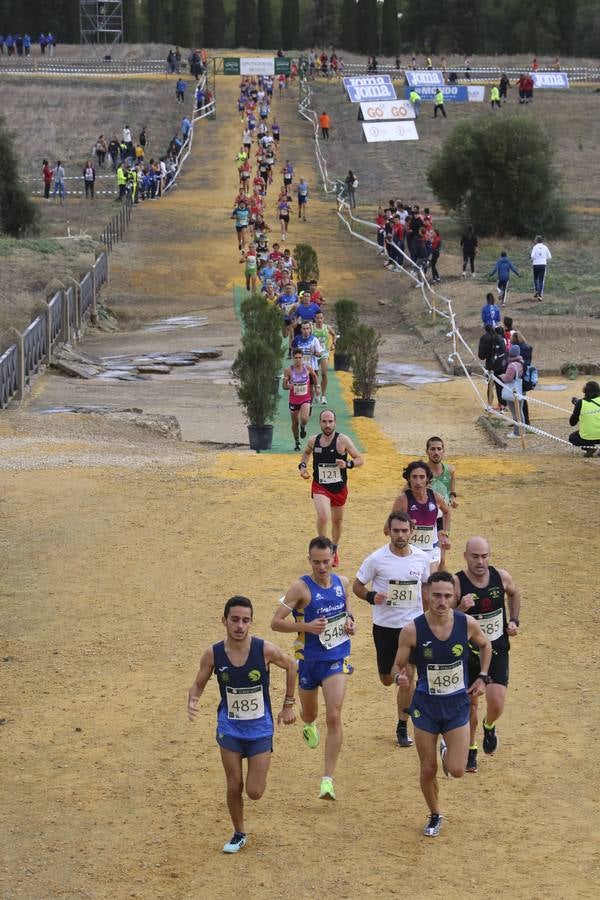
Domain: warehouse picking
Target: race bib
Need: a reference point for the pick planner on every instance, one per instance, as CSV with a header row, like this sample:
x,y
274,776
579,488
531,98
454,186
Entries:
x,y
423,537
299,390
492,624
245,703
307,359
329,473
402,593
446,678
335,632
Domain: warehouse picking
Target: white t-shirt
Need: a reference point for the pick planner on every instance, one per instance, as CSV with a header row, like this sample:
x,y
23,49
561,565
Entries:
x,y
540,255
400,577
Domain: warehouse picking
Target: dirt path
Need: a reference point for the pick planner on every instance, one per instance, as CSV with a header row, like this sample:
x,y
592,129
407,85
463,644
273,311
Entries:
x,y
119,550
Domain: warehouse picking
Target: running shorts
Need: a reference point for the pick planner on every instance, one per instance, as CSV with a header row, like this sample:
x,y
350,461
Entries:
x,y
337,499
245,747
312,673
498,668
386,647
437,715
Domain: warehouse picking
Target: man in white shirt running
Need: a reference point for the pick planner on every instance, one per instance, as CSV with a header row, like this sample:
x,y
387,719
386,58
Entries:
x,y
540,255
396,572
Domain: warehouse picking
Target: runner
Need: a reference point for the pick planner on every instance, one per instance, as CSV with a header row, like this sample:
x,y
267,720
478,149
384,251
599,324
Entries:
x,y
324,624
396,573
283,208
298,379
437,643
244,717
251,268
443,481
241,215
309,344
302,194
422,504
325,335
329,489
480,591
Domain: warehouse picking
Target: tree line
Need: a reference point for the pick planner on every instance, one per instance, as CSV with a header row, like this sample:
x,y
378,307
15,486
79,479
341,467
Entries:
x,y
388,27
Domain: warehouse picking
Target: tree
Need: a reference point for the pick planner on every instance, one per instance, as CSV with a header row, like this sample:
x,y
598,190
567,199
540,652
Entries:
x,y
324,27
245,24
290,23
214,23
155,12
368,30
498,175
347,33
181,23
390,38
266,39
18,215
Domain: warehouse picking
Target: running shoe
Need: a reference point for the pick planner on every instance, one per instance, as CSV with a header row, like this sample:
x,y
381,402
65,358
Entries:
x,y
236,843
433,825
323,400
310,733
327,792
491,741
302,431
297,446
402,735
336,560
471,760
443,751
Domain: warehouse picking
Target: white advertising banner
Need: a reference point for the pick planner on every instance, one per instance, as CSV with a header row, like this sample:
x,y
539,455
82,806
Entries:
x,y
386,110
257,65
390,131
369,87
476,93
424,77
556,80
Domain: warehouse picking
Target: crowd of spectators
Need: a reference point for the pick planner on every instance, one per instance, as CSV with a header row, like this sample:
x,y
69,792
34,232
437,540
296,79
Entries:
x,y
20,44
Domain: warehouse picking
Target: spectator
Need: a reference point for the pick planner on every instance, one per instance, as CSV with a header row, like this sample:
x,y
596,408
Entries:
x,y
89,179
513,385
325,124
586,414
114,150
180,87
27,44
143,139
492,351
101,150
436,249
526,351
47,175
490,314
351,183
540,255
469,244
503,268
495,96
504,86
170,62
59,182
1,45
185,127
415,98
51,43
439,104
42,41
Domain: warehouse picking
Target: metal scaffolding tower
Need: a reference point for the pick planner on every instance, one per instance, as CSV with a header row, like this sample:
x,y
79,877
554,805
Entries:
x,y
101,23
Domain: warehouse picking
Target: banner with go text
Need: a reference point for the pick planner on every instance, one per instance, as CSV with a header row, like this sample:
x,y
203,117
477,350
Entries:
x,y
386,110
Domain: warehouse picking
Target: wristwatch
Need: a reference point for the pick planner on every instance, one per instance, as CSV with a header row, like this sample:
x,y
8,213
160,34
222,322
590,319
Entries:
x,y
516,621
485,677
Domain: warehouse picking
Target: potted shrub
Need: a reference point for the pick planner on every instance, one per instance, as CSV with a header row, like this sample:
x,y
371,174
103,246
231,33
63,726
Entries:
x,y
308,265
255,369
346,319
261,318
364,342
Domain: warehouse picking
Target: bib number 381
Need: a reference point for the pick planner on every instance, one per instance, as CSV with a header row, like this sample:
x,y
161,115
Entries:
x,y
245,703
445,678
402,593
334,633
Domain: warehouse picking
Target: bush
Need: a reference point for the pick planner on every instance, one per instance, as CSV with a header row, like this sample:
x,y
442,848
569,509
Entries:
x,y
498,175
364,344
260,318
18,215
255,370
346,319
307,262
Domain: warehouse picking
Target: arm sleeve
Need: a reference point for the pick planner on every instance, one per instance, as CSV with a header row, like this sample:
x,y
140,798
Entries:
x,y
575,414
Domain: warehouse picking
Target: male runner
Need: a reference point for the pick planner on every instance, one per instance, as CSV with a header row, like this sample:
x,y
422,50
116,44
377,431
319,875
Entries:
x,y
443,481
309,344
437,643
480,591
244,718
324,624
396,573
422,504
326,337
329,489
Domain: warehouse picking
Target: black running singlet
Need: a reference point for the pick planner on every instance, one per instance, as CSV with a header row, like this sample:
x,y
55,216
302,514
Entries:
x,y
325,471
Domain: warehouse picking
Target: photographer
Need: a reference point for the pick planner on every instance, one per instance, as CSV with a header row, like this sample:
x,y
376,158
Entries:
x,y
586,414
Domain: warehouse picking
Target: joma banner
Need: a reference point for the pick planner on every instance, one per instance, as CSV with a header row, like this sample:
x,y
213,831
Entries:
x,y
369,87
422,77
555,80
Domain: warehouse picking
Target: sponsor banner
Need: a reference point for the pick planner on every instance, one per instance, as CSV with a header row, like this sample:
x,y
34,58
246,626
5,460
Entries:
x,y
453,93
423,77
369,87
257,65
390,131
555,80
385,110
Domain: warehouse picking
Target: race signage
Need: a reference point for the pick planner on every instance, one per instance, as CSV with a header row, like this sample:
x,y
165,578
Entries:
x,y
422,77
555,80
453,93
390,131
385,110
257,65
369,87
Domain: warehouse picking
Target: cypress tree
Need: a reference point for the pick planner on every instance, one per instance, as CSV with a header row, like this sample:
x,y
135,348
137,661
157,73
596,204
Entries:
x,y
266,39
181,23
245,24
347,30
130,22
290,23
155,11
324,29
390,40
368,30
18,215
214,23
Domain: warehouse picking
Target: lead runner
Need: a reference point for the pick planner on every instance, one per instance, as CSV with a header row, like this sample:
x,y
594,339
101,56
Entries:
x,y
329,490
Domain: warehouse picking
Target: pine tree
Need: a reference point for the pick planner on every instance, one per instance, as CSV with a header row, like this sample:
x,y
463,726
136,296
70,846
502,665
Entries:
x,y
266,39
18,215
347,31
368,30
290,23
245,24
390,38
181,23
214,23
